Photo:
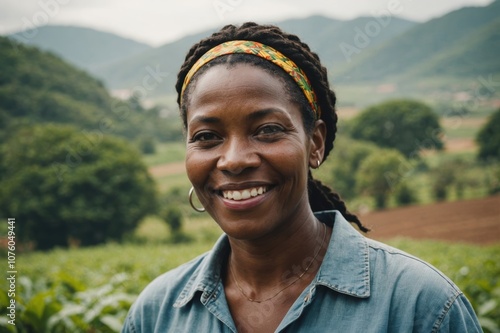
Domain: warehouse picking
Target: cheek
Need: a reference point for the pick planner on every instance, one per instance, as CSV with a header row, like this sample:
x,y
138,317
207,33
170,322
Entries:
x,y
290,160
198,167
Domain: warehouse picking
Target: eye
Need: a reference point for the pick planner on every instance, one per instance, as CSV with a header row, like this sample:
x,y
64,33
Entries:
x,y
205,136
270,130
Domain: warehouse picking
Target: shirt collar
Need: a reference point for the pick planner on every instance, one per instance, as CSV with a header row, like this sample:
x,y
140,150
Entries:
x,y
345,267
208,274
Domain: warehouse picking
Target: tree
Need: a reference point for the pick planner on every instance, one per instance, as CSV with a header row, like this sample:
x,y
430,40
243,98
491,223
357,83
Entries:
x,y
347,158
406,125
64,186
488,138
404,194
147,145
376,174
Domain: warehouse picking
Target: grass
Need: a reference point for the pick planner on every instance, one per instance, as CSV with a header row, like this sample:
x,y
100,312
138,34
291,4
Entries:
x,y
154,255
166,183
166,153
150,253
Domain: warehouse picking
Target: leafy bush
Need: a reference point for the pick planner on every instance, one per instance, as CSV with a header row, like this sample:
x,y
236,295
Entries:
x,y
65,187
406,125
378,175
347,158
488,138
147,145
173,217
67,305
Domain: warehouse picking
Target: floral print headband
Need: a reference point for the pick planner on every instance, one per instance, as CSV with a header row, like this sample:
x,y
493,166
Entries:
x,y
264,52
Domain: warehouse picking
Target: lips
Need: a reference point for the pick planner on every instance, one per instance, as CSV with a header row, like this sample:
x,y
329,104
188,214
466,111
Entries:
x,y
244,194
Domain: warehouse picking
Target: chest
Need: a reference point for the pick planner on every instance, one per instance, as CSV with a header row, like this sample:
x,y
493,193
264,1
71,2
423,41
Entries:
x,y
258,317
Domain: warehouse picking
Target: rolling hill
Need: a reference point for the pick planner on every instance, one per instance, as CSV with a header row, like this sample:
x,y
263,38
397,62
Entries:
x,y
39,87
168,58
463,43
84,47
361,54
321,33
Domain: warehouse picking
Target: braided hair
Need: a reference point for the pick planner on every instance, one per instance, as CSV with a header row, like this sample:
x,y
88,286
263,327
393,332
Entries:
x,y
321,197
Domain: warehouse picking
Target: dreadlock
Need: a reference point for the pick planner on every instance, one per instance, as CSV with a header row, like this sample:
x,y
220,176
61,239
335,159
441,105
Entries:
x,y
321,197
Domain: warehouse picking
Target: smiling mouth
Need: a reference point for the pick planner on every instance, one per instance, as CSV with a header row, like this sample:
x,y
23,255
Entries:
x,y
244,194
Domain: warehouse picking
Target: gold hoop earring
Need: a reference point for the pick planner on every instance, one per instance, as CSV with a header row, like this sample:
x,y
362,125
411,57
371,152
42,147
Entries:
x,y
199,210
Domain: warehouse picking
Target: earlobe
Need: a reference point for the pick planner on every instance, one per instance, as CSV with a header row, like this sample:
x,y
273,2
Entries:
x,y
317,144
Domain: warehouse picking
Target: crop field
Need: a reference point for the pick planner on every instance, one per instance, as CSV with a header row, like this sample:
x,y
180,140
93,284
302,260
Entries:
x,y
91,289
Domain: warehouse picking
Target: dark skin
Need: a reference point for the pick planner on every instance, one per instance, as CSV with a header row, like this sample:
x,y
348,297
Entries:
x,y
248,156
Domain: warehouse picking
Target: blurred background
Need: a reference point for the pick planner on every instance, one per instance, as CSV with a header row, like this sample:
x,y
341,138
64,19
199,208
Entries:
x,y
92,147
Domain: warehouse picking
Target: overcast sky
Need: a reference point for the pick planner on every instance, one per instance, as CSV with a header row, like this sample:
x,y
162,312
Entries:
x,y
159,21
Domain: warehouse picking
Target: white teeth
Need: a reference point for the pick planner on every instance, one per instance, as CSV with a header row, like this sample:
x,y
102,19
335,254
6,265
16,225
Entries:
x,y
244,194
236,195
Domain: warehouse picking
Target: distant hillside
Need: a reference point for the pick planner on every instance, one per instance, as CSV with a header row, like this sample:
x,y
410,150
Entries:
x,y
329,38
461,43
475,54
87,48
168,58
322,34
37,87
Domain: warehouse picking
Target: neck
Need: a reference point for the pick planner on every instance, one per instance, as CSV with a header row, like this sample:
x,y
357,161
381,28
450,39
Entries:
x,y
279,259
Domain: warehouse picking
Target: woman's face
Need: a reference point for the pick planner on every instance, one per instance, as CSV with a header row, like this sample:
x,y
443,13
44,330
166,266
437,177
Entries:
x,y
248,154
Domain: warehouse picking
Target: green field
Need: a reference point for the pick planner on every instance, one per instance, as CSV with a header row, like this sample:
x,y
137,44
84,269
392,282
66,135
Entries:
x,y
166,153
91,289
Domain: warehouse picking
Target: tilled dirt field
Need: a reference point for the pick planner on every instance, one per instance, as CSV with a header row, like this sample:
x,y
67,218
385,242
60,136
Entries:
x,y
473,221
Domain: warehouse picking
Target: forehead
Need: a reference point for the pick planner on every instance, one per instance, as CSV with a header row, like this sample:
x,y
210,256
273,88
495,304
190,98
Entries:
x,y
223,80
231,91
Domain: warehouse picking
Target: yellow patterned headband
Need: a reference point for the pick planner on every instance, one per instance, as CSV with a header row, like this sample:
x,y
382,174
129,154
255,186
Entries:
x,y
264,52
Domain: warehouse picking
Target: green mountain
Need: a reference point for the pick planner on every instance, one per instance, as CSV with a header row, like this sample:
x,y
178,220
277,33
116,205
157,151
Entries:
x,y
166,59
39,87
461,43
475,54
332,39
322,34
87,48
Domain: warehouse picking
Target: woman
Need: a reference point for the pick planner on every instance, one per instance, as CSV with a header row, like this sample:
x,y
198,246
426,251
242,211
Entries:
x,y
259,115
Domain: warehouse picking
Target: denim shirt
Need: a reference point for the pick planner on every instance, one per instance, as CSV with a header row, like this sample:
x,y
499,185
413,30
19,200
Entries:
x,y
361,286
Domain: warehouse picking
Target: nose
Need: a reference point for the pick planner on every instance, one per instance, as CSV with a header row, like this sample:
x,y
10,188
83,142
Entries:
x,y
237,156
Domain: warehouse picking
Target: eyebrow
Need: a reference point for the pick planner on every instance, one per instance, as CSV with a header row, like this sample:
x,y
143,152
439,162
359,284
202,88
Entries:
x,y
264,112
206,120
251,117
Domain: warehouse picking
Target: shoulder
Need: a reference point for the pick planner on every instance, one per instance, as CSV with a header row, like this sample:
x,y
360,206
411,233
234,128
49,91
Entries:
x,y
428,295
400,262
161,293
400,268
162,304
